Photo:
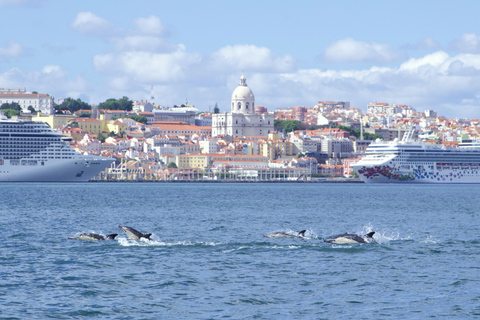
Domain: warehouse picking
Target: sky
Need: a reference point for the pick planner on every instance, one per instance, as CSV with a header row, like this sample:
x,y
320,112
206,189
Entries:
x,y
424,54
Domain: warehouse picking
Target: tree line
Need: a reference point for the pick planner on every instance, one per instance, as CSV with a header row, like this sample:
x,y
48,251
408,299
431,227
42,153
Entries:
x,y
74,105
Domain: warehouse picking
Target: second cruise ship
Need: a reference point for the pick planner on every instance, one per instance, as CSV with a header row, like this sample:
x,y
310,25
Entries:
x,y
416,162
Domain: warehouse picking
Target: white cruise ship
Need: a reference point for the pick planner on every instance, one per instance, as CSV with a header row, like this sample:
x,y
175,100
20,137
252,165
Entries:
x,y
417,162
32,151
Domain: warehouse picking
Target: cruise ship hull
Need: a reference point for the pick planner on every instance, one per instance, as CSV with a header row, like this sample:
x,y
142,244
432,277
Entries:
x,y
432,173
55,170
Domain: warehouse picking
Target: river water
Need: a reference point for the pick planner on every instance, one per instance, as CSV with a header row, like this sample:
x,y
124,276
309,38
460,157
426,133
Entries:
x,y
208,258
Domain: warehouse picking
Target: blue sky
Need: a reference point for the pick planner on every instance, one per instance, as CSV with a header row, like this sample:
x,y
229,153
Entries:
x,y
425,54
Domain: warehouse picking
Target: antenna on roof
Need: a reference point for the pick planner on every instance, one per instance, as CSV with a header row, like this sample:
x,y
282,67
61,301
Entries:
x,y
151,94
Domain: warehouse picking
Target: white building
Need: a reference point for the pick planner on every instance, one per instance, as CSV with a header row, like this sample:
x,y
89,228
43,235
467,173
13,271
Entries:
x,y
39,102
185,114
242,120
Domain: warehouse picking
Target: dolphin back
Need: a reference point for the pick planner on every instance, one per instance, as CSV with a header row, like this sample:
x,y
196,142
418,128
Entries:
x,y
87,236
133,234
346,238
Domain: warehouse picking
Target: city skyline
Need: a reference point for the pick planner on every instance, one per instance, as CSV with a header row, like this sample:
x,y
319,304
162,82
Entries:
x,y
425,55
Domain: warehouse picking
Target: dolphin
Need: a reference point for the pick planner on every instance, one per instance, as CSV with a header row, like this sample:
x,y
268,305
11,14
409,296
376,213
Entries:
x,y
348,238
93,236
133,234
285,234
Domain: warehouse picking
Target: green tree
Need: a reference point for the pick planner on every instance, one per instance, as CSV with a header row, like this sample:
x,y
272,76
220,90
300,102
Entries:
x,y
216,109
73,105
32,109
10,112
11,106
100,137
84,115
288,125
172,165
114,104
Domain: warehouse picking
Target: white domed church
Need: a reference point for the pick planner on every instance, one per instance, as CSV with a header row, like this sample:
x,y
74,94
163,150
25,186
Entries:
x,y
242,120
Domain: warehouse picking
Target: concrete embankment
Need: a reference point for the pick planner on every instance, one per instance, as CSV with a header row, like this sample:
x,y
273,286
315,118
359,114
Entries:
x,y
327,180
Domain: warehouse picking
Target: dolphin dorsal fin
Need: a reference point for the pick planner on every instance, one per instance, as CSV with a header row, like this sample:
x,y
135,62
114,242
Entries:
x,y
147,235
302,233
370,234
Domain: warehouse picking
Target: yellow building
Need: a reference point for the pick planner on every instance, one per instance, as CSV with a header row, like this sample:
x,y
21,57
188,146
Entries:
x,y
53,120
117,127
92,126
185,161
274,149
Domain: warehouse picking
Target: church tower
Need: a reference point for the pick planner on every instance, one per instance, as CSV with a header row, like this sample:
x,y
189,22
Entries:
x,y
243,100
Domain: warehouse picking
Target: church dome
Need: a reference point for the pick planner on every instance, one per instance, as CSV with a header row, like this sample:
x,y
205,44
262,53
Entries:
x,y
243,100
242,93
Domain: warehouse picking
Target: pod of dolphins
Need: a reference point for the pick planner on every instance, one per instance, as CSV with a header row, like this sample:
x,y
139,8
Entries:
x,y
132,234
345,238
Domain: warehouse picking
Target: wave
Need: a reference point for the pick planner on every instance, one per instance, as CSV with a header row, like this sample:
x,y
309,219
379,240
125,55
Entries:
x,y
158,243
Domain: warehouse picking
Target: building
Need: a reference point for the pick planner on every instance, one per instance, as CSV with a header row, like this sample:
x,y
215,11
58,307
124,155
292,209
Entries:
x,y
242,120
180,114
39,102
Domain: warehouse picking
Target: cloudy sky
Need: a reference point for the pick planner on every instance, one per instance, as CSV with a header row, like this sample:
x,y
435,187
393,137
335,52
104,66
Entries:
x,y
425,54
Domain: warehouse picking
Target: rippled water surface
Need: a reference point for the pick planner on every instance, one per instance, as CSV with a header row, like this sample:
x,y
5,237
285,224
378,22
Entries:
x,y
208,258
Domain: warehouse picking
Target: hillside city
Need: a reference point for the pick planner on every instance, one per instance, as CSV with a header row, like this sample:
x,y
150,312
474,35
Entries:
x,y
151,142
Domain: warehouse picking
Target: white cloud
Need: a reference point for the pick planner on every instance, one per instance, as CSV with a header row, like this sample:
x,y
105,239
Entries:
x,y
51,79
431,61
53,71
468,43
147,67
151,25
350,50
251,58
13,49
89,23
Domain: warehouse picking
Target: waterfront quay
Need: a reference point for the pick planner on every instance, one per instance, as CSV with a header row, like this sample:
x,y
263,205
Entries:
x,y
228,180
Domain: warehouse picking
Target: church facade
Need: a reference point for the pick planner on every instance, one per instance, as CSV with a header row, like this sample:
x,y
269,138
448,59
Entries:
x,y
242,120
